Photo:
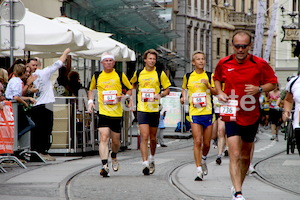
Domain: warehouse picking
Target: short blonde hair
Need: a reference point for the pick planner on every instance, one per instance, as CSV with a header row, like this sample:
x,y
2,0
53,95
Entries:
x,y
3,76
19,70
198,52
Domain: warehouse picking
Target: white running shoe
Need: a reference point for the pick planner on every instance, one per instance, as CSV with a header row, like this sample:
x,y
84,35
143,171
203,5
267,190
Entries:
x,y
115,164
199,176
251,169
239,197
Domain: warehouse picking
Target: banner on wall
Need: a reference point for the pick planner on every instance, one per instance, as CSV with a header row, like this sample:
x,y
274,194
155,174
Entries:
x,y
171,104
6,128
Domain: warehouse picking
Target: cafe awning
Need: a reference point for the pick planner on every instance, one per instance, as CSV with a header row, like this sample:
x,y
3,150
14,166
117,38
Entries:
x,y
133,22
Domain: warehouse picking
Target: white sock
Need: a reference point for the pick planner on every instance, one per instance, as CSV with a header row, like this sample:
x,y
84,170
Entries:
x,y
145,163
203,159
151,158
199,169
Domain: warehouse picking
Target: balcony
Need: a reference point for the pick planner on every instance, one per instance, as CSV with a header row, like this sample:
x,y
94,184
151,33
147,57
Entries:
x,y
243,20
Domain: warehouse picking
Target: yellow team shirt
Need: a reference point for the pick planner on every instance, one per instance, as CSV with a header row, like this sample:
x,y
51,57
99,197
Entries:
x,y
109,86
199,95
148,87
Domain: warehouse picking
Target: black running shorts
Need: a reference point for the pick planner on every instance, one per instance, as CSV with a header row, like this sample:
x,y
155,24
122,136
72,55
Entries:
x,y
114,123
151,118
247,133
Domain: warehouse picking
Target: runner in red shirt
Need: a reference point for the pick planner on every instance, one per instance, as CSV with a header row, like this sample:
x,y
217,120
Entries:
x,y
245,77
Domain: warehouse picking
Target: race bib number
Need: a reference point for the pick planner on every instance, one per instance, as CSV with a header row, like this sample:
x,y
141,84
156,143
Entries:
x,y
228,110
147,94
199,99
273,103
110,97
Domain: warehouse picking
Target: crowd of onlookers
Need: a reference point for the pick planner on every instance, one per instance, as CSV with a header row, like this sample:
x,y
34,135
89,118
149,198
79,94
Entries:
x,y
30,86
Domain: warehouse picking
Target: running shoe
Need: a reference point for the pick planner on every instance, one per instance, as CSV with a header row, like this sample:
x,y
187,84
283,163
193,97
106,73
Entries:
x,y
199,176
232,190
204,168
219,160
146,171
115,165
226,153
273,137
104,171
151,167
251,169
238,197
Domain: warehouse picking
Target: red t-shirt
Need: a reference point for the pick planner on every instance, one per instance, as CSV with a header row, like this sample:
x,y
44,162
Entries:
x,y
255,71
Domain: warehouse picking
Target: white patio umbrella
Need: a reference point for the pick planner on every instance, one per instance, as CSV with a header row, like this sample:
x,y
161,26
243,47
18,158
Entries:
x,y
45,35
100,44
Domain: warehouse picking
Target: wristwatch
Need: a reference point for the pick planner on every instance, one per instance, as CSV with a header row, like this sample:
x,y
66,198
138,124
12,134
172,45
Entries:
x,y
260,89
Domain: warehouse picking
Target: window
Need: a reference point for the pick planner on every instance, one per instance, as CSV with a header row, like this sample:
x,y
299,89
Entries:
x,y
218,46
234,5
195,38
202,5
202,40
227,47
295,5
242,5
208,5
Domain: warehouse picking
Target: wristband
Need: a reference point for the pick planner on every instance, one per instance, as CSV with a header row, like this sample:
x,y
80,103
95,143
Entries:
x,y
127,95
90,101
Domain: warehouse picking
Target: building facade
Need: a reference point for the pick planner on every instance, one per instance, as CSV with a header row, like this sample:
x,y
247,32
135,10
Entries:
x,y
286,63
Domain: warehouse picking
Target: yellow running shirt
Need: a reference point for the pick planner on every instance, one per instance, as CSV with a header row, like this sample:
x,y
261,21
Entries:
x,y
148,87
199,94
109,86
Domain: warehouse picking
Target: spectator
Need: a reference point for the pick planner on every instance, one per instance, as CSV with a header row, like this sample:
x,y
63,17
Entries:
x,y
14,92
275,112
41,133
61,85
161,127
74,83
3,84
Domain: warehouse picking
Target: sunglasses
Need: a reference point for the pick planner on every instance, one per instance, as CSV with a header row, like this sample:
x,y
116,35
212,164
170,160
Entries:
x,y
243,46
20,61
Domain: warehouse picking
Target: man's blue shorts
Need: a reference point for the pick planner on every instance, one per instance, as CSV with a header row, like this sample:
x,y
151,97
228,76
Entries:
x,y
203,120
247,133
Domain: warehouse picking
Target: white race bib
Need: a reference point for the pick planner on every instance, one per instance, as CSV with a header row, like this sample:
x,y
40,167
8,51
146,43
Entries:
x,y
199,99
110,97
228,110
147,94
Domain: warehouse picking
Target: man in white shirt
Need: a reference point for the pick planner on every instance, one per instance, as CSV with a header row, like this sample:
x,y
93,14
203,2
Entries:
x,y
40,113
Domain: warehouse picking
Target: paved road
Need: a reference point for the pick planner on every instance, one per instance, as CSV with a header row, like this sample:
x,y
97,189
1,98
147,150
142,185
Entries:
x,y
78,177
